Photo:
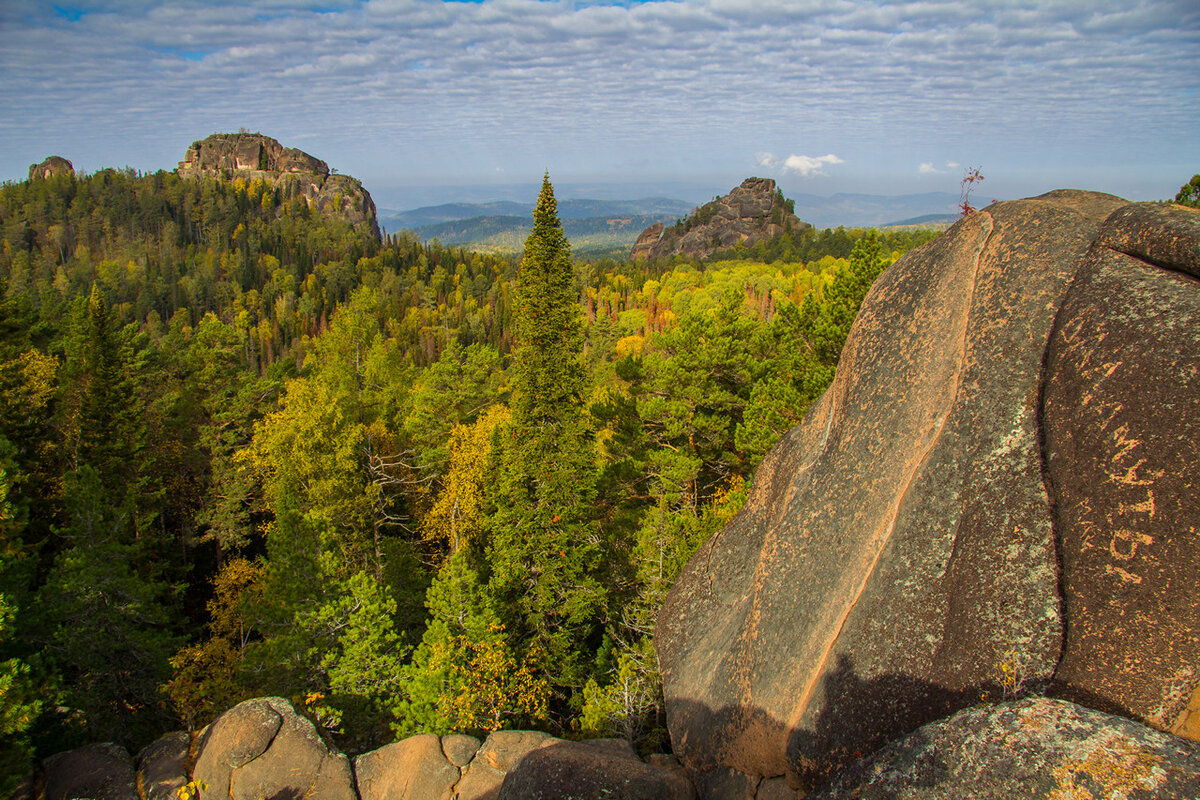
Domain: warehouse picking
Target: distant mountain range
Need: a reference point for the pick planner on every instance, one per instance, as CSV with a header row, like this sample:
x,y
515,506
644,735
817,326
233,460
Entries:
x,y
925,221
603,235
607,226
567,209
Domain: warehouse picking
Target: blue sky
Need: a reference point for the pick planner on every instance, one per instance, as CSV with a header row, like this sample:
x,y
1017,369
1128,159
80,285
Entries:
x,y
824,95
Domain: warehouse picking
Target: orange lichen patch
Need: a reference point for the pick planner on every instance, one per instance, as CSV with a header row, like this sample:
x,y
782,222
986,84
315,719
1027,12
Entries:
x,y
1187,724
1112,770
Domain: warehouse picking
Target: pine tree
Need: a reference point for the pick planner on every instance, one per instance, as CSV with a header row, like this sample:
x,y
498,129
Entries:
x,y
544,551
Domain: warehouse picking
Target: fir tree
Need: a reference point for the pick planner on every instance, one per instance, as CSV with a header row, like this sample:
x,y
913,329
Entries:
x,y
544,551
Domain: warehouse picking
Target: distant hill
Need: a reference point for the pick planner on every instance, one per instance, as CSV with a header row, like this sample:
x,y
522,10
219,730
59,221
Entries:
x,y
506,233
594,226
567,209
937,221
870,210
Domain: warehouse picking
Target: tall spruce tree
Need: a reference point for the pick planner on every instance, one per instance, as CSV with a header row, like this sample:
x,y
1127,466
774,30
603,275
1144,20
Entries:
x,y
544,551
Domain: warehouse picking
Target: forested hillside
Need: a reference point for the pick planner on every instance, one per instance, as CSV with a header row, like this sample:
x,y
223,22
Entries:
x,y
246,449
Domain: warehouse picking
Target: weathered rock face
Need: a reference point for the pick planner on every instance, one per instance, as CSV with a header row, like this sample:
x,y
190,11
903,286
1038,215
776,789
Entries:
x,y
263,748
581,771
752,212
52,166
163,766
294,172
898,555
1122,421
415,768
98,771
247,152
501,752
1039,749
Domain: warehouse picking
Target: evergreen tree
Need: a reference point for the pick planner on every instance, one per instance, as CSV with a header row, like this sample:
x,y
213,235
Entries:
x,y
1189,193
544,550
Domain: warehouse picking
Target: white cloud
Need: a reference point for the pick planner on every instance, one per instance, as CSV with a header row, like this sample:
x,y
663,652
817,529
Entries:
x,y
807,166
953,165
927,168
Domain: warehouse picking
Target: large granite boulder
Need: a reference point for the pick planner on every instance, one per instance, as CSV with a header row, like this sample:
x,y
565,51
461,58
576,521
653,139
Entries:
x,y
898,557
415,768
582,771
292,172
263,748
1122,432
101,771
1038,749
750,213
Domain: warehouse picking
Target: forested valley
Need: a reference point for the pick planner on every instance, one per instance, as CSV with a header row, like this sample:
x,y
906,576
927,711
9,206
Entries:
x,y
247,449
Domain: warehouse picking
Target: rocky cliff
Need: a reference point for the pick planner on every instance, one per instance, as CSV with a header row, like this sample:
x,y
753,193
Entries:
x,y
52,166
752,212
294,172
996,495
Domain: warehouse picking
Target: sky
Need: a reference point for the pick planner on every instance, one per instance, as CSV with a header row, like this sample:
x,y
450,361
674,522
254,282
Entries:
x,y
825,96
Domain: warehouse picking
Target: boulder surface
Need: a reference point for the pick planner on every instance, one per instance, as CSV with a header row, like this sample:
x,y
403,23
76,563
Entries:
x,y
163,766
101,771
898,558
579,771
1040,749
263,748
415,768
1122,425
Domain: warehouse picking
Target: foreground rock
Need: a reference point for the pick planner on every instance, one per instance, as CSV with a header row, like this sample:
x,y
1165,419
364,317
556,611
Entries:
x,y
1122,422
263,748
95,771
753,212
415,768
581,771
1038,749
293,172
500,753
163,766
50,168
898,556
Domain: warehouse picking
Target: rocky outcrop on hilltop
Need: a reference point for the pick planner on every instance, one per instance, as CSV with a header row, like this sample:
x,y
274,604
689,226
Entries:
x,y
51,167
752,212
294,172
995,495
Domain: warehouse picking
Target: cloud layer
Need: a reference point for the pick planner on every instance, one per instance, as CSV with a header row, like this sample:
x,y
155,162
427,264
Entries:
x,y
417,89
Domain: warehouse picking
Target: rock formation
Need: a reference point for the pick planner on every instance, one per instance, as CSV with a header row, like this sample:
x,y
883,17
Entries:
x,y
163,766
294,172
1038,749
583,771
99,771
898,558
263,748
752,212
51,167
1122,437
